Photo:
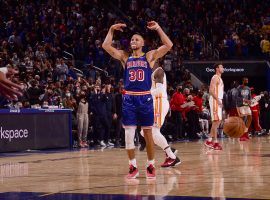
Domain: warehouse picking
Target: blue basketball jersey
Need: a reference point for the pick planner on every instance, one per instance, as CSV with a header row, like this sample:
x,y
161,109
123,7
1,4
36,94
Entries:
x,y
137,74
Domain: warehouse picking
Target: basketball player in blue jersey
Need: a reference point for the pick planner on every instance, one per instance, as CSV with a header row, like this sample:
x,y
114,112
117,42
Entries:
x,y
137,101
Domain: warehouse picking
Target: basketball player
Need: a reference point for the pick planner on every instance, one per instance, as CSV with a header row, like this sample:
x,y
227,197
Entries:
x,y
243,106
137,100
161,108
216,91
8,89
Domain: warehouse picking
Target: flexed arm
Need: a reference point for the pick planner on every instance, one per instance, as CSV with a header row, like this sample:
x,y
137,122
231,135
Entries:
x,y
162,50
107,44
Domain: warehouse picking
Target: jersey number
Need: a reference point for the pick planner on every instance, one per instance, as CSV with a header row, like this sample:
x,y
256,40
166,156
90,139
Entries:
x,y
136,75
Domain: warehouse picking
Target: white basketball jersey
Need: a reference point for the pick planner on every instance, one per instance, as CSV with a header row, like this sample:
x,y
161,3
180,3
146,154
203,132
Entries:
x,y
164,90
219,88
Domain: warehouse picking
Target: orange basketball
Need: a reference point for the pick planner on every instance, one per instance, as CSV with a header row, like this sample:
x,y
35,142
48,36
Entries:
x,y
234,127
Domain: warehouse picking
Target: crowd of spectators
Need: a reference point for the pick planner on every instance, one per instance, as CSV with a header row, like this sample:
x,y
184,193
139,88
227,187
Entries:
x,y
48,41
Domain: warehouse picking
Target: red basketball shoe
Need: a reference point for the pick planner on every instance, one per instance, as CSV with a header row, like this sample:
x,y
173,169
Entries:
x,y
133,172
244,137
169,162
217,146
151,172
209,144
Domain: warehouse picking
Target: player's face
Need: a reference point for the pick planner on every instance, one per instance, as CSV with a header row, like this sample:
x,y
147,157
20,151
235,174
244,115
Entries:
x,y
136,42
221,69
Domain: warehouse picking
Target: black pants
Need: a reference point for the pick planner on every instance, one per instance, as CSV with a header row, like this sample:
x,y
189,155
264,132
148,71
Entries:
x,y
119,131
178,122
193,124
109,121
101,128
265,119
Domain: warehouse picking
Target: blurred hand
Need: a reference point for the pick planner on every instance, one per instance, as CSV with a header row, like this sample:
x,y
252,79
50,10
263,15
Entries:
x,y
11,72
114,116
9,89
118,27
152,25
220,103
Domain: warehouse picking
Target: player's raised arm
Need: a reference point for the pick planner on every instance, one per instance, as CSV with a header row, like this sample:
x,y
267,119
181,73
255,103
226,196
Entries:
x,y
167,43
107,44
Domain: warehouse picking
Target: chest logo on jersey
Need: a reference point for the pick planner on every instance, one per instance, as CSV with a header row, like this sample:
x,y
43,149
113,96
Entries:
x,y
137,63
245,92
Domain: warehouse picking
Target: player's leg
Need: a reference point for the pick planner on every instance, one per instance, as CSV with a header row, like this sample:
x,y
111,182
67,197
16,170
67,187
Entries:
x,y
213,134
129,122
146,120
216,115
130,147
161,108
150,171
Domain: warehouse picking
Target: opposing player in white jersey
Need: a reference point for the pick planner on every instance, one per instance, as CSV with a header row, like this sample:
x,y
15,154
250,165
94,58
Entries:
x,y
161,108
216,92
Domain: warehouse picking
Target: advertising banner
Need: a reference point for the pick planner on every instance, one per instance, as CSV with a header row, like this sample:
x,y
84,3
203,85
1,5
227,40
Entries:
x,y
34,130
256,71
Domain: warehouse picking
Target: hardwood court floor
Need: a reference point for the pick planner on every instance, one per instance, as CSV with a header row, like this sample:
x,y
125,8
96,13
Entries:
x,y
241,170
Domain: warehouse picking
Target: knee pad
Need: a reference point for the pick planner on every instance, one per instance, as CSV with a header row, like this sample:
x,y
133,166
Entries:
x,y
129,137
158,138
155,134
155,131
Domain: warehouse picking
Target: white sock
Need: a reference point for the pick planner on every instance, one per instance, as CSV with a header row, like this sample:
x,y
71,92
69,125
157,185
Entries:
x,y
133,162
216,140
169,152
210,139
150,162
158,138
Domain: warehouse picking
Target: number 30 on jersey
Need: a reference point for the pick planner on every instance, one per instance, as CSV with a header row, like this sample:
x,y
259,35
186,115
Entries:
x,y
136,75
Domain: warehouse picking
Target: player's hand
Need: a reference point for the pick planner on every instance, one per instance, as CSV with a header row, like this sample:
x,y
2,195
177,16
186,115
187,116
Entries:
x,y
114,116
11,72
152,25
8,89
118,27
220,103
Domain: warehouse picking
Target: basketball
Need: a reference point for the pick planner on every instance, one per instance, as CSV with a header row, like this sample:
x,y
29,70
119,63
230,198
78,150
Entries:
x,y
234,127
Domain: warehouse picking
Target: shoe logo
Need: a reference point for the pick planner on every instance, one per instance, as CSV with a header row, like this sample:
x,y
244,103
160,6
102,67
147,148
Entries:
x,y
170,163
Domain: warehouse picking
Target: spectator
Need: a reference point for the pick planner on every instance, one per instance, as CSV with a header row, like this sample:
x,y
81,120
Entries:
x,y
83,120
176,102
98,108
